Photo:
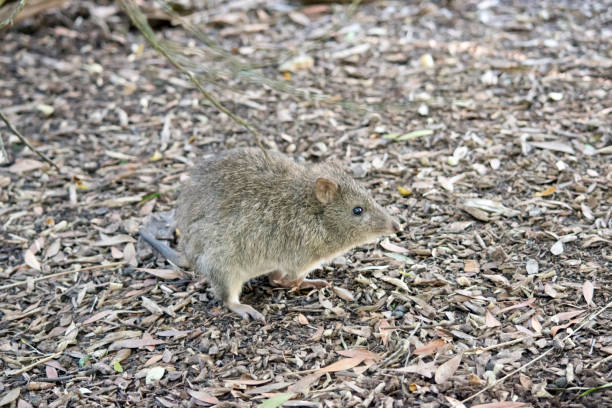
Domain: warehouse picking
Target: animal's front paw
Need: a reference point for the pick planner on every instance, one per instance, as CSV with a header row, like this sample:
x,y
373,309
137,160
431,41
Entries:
x,y
246,312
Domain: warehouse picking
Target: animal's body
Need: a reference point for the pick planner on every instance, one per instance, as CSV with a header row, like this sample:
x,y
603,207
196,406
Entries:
x,y
241,215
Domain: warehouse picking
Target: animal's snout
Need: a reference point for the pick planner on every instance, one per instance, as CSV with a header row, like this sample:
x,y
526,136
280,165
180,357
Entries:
x,y
395,227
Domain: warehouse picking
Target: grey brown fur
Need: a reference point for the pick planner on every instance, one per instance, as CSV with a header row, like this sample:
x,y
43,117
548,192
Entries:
x,y
241,216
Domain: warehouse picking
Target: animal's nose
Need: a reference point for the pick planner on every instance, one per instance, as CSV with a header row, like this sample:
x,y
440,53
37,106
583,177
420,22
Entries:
x,y
395,226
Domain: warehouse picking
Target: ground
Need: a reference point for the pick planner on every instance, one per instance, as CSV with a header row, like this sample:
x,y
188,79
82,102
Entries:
x,y
484,128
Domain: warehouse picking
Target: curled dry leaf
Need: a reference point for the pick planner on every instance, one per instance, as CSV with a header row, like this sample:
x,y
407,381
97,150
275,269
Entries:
x,y
203,396
343,293
389,246
301,319
559,317
167,274
341,365
501,404
587,292
526,303
555,329
429,348
129,254
535,324
550,291
30,260
394,281
134,343
304,383
360,353
385,330
446,370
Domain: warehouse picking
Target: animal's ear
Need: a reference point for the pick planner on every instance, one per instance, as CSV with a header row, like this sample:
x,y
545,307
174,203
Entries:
x,y
325,190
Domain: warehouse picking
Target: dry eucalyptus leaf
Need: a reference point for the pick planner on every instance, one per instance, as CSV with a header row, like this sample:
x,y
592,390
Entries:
x,y
31,261
587,292
446,370
203,396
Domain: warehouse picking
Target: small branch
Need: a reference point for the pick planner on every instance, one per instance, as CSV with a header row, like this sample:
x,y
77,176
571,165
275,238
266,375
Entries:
x,y
496,382
24,140
9,20
55,275
141,23
34,364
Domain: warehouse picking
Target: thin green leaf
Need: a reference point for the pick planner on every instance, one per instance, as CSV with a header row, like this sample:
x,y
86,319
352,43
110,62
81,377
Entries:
x,y
275,402
601,387
117,367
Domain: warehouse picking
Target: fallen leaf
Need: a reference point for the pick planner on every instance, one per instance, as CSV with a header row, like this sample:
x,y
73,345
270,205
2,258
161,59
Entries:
x,y
341,365
134,343
25,165
549,191
301,319
30,260
167,274
587,292
203,396
304,383
527,302
114,240
385,330
490,320
359,353
556,146
129,254
550,291
557,248
555,329
154,374
429,348
393,248
446,370
276,401
559,317
10,396
501,404
423,369
535,325
343,293
97,316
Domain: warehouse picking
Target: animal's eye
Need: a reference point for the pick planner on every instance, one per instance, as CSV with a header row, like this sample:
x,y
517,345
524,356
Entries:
x,y
357,210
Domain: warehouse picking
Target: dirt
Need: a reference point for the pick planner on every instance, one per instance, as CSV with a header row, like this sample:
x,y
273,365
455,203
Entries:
x,y
484,127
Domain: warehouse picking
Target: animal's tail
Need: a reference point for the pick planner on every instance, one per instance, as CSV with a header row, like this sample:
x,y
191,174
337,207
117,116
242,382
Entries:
x,y
170,254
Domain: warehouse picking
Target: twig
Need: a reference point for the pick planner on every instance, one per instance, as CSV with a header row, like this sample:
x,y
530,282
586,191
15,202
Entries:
x,y
496,382
9,20
24,140
3,155
141,23
34,364
55,275
478,350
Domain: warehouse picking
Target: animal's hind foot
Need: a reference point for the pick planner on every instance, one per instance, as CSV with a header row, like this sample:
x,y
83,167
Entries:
x,y
245,311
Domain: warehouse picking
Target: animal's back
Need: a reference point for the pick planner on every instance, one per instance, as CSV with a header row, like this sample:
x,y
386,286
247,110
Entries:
x,y
240,206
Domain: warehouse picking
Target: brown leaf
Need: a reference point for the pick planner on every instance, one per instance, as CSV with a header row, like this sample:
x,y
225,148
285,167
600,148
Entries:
x,y
134,343
559,317
304,383
359,353
393,248
167,274
535,325
316,336
490,320
98,316
341,365
446,370
344,294
501,404
385,330
301,319
429,348
527,302
129,254
555,329
587,292
203,396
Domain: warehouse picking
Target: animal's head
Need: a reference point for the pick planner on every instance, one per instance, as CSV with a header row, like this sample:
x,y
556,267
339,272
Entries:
x,y
349,210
